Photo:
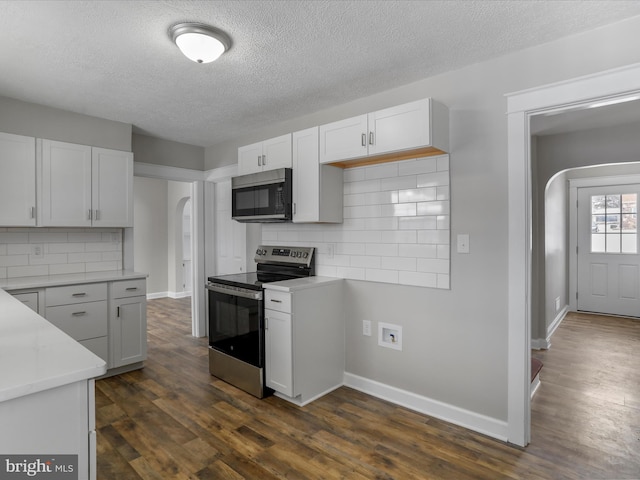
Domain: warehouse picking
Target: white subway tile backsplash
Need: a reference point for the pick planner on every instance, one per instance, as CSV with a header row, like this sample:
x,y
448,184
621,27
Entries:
x,y
13,260
385,170
433,208
47,237
27,271
395,229
418,166
365,261
417,195
14,237
386,276
418,223
382,249
433,179
419,279
351,273
63,250
65,268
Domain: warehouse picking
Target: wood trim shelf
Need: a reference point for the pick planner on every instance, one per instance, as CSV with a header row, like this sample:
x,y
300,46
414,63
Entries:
x,y
389,157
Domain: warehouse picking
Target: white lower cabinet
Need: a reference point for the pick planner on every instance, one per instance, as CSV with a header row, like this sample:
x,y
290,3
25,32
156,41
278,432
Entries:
x,y
304,340
53,422
128,322
81,311
108,318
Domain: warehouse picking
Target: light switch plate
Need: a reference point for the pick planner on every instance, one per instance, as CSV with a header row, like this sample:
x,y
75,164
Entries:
x,y
463,243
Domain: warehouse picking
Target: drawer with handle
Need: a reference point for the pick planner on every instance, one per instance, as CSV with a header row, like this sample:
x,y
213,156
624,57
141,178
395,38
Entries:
x,y
128,288
88,292
276,300
81,321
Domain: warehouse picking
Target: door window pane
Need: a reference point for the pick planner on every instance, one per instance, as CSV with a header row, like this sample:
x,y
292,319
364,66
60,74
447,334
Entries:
x,y
614,223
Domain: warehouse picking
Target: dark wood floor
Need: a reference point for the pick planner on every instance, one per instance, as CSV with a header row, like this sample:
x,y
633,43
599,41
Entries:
x,y
172,420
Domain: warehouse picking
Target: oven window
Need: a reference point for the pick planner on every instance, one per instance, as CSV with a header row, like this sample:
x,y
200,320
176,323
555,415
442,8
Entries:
x,y
235,327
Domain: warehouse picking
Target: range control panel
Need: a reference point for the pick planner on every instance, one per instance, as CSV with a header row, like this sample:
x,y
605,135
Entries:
x,y
294,255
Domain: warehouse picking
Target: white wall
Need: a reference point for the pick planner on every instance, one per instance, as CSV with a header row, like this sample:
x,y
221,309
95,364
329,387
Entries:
x,y
177,194
457,339
150,237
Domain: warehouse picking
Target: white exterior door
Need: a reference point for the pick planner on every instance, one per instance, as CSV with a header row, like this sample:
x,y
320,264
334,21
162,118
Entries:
x,y
608,250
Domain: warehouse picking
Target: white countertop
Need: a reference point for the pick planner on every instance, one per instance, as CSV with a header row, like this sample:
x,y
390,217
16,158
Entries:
x,y
301,283
37,356
44,281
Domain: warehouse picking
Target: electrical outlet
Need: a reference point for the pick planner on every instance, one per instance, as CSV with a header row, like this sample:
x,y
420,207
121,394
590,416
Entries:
x,y
366,328
37,251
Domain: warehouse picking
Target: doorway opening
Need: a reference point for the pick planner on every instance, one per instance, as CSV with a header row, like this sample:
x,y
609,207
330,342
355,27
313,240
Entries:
x,y
613,87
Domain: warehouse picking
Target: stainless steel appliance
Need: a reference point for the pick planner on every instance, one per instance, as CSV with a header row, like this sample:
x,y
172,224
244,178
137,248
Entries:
x,y
262,197
236,315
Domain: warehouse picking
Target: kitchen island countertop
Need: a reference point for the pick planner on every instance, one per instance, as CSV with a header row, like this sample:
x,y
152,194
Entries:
x,y
36,356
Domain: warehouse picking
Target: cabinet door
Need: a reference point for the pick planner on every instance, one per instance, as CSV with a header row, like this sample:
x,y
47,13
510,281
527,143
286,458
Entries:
x,y
399,128
344,139
279,352
65,177
17,180
112,188
128,331
306,176
250,159
276,152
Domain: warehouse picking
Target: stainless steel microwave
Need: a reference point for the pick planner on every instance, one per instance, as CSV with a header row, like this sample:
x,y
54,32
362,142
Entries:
x,y
262,197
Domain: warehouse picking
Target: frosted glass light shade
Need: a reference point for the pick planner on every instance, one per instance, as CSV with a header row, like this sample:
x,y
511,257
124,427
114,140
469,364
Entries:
x,y
198,42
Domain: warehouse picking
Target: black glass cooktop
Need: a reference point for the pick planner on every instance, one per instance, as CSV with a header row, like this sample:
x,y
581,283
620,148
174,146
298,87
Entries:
x,y
252,280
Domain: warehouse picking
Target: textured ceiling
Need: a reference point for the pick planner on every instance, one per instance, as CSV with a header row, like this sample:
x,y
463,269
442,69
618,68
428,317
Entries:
x,y
113,59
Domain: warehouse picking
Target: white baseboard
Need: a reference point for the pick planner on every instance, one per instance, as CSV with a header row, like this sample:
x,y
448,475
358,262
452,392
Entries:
x,y
178,294
297,401
545,343
556,322
153,296
465,418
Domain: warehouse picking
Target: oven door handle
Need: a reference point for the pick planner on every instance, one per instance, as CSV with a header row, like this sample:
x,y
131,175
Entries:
x,y
250,294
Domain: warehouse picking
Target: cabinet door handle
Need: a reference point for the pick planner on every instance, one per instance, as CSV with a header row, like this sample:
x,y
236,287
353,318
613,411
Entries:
x,y
97,215
370,138
276,301
266,323
89,214
118,312
294,208
78,314
79,294
364,139
33,212
133,289
264,160
259,160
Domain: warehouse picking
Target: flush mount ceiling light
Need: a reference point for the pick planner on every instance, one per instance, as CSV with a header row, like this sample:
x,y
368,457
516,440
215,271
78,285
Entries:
x,y
199,42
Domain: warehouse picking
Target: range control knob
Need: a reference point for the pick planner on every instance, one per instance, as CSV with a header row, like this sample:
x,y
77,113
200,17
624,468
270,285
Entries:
x,y
305,254
258,252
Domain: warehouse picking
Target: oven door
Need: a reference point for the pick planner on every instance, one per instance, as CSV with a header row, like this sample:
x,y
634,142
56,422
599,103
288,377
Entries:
x,y
236,323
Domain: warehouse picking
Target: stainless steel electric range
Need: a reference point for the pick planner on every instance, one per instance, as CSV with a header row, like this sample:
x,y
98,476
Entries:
x,y
236,315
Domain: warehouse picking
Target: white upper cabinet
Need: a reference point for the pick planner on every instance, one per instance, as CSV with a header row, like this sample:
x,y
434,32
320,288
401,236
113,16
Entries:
x,y
65,179
17,180
421,126
267,155
112,188
83,186
344,139
317,189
